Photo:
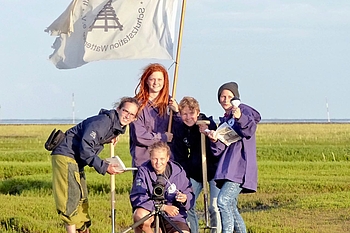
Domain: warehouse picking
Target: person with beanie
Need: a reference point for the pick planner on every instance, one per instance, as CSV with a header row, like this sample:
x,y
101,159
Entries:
x,y
237,168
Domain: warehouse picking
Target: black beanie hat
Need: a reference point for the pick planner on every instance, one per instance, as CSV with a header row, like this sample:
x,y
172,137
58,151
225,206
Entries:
x,y
231,86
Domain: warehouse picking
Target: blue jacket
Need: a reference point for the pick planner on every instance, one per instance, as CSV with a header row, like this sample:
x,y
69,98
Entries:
x,y
238,161
187,150
142,189
85,141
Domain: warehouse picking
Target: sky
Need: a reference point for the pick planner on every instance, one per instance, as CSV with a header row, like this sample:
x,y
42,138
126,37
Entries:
x,y
290,59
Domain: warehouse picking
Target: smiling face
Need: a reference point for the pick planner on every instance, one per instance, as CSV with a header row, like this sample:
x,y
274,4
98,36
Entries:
x,y
225,100
155,82
189,116
159,159
127,113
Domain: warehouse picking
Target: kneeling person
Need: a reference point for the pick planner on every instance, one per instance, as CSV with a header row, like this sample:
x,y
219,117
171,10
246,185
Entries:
x,y
178,196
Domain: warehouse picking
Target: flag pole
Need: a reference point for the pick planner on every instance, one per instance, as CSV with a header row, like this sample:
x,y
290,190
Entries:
x,y
177,61
112,193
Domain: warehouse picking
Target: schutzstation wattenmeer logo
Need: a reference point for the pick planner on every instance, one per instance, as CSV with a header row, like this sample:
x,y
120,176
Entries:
x,y
111,31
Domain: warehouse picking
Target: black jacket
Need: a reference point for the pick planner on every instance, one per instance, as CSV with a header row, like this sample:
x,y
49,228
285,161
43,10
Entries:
x,y
186,149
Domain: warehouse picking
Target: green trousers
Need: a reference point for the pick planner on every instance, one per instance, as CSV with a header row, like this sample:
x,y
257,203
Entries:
x,y
70,192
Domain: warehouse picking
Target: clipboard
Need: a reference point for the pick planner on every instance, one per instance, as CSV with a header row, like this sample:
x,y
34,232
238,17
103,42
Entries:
x,y
121,166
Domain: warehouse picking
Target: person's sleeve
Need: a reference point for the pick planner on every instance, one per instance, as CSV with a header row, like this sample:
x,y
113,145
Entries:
x,y
246,125
90,143
186,188
217,147
139,195
212,125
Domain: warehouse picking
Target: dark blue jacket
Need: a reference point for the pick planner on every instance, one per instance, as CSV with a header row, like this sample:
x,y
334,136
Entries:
x,y
85,141
238,161
142,189
187,150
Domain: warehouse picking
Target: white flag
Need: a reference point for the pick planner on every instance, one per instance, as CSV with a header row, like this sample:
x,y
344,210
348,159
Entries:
x,y
92,30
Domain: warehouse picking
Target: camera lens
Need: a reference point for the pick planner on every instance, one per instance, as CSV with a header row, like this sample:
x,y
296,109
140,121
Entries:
x,y
158,188
158,191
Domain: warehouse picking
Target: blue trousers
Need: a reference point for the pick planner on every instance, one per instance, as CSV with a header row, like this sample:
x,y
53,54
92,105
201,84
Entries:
x,y
214,213
231,219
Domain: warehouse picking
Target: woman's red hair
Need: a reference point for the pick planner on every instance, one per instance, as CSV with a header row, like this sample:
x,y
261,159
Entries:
x,y
143,95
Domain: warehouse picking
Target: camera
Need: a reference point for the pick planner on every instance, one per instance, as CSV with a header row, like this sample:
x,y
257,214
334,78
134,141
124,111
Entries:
x,y
158,191
159,188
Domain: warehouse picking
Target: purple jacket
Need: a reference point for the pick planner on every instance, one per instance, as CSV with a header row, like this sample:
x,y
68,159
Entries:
x,y
142,189
145,131
238,161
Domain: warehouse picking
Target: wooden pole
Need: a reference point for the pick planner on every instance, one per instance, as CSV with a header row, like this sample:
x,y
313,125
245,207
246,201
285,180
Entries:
x,y
177,60
112,193
205,174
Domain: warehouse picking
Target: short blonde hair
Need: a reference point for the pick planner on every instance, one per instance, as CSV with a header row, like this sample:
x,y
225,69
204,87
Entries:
x,y
189,102
159,146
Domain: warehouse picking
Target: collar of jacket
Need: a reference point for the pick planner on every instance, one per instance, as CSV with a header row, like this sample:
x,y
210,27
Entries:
x,y
117,127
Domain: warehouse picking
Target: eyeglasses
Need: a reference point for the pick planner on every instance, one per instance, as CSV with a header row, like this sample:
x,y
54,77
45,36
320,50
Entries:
x,y
129,114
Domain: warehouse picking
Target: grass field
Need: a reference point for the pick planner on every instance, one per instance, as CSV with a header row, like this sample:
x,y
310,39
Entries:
x,y
304,182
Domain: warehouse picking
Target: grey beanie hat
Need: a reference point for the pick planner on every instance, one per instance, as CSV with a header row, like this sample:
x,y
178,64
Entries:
x,y
231,86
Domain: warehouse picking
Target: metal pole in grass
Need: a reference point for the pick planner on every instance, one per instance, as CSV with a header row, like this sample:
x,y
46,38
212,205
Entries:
x,y
112,193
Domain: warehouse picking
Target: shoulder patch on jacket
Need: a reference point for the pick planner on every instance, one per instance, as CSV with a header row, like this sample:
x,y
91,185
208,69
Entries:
x,y
138,182
93,134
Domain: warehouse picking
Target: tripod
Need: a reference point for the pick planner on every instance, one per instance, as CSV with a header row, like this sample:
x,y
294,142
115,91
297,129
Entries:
x,y
159,217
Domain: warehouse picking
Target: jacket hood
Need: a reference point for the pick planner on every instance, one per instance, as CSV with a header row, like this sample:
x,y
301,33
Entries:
x,y
255,113
113,115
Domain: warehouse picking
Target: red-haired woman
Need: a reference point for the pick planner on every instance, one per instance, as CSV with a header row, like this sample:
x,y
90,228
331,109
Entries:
x,y
152,92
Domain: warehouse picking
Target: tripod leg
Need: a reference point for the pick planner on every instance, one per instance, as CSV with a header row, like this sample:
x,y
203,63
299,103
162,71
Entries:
x,y
170,222
138,223
156,229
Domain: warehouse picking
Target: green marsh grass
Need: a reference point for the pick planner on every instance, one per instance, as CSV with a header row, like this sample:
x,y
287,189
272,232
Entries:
x,y
304,182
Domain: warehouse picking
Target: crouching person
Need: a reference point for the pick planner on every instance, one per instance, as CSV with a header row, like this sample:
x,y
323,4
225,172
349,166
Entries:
x,y
161,185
